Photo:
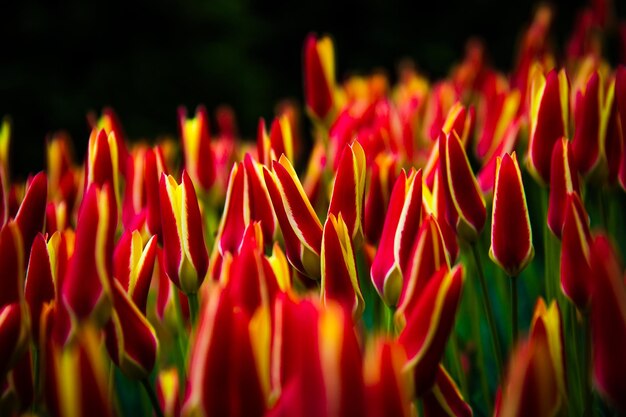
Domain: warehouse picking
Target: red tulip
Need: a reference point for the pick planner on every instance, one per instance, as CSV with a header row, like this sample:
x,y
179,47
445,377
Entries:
x,y
186,257
563,182
399,232
167,392
154,167
620,100
319,76
444,399
511,235
32,213
196,140
39,287
278,142
102,164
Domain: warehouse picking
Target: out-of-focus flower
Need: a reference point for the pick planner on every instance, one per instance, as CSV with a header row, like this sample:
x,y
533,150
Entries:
x,y
32,213
319,76
608,322
383,177
445,399
134,199
278,142
576,273
109,122
167,388
597,144
154,167
298,221
102,165
87,288
62,176
196,140
427,257
5,141
548,118
388,390
620,100
465,206
348,190
14,317
511,236
39,287
428,327
563,182
185,254
75,378
339,275
399,231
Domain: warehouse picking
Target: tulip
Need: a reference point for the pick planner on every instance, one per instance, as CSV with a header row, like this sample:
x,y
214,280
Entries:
x,y
563,181
511,235
278,142
259,199
319,76
383,176
348,190
399,231
167,392
102,162
185,254
465,206
427,257
134,199
154,166
444,399
301,229
39,287
61,172
87,287
575,253
32,213
548,118
5,141
620,100
339,275
608,322
429,326
14,318
388,390
75,377
109,122
199,157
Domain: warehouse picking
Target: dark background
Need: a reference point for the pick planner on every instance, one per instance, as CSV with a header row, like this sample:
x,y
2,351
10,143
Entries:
x,y
58,60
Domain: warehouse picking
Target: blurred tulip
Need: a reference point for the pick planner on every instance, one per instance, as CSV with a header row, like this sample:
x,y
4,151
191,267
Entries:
x,y
399,232
339,275
511,235
39,287
185,254
608,322
445,399
134,199
548,118
576,273
32,213
620,100
319,76
349,189
429,326
5,141
563,182
61,171
109,122
279,142
383,177
465,206
102,165
167,392
298,221
87,288
196,141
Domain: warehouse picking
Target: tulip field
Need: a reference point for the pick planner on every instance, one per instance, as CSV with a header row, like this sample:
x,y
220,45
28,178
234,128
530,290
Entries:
x,y
422,247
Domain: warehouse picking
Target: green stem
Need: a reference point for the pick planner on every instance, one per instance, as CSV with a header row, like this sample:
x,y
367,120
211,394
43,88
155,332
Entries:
x,y
495,340
193,308
153,398
481,366
514,312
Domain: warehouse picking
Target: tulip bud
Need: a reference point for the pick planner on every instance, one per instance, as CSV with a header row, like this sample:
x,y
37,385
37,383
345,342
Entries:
x,y
445,398
511,235
319,76
199,157
563,182
399,232
575,253
339,275
608,322
465,206
186,257
429,326
549,120
87,288
32,213
39,286
298,222
348,190
102,162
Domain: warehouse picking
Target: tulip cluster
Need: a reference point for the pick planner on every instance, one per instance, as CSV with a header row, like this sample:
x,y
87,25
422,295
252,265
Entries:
x,y
210,277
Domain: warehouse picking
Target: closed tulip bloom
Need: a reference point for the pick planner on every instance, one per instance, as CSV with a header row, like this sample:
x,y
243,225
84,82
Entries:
x,y
32,213
563,182
185,254
465,206
154,166
428,328
87,288
399,231
339,274
576,273
198,154
608,322
511,235
102,162
39,287
445,399
548,118
319,76
383,177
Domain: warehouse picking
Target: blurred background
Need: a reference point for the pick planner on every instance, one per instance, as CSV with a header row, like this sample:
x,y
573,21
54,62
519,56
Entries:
x,y
62,59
